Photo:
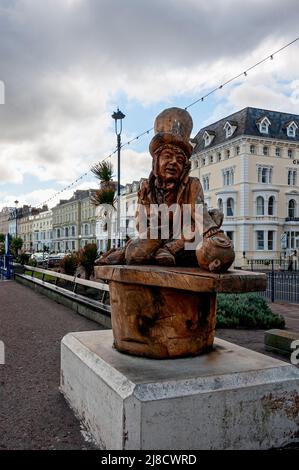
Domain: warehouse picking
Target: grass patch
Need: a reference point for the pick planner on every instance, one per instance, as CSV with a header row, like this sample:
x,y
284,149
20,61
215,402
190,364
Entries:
x,y
246,311
47,277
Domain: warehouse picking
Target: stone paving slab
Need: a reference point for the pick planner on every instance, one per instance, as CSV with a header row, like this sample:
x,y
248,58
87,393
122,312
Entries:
x,y
254,339
290,312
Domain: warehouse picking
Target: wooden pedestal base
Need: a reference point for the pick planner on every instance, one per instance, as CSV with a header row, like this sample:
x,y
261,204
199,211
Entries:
x,y
159,322
168,312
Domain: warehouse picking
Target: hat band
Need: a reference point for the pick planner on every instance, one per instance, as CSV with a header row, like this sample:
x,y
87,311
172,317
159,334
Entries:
x,y
169,146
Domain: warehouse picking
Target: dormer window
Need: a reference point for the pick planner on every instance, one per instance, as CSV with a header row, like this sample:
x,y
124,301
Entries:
x,y
291,129
229,128
263,125
208,137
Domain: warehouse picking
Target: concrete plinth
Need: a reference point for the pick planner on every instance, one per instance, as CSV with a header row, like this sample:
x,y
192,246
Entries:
x,y
230,398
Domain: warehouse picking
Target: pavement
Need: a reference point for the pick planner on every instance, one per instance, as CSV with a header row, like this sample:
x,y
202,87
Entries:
x,y
254,339
33,413
290,312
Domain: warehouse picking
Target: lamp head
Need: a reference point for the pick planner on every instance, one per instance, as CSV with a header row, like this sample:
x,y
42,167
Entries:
x,y
118,116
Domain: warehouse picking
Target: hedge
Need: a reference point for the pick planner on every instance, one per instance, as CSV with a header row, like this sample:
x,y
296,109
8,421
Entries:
x,y
246,311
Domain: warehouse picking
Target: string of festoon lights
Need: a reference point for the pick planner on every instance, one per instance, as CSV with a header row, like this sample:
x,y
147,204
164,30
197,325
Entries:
x,y
244,73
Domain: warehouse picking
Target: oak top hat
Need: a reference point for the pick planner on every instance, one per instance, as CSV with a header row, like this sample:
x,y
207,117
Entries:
x,y
172,126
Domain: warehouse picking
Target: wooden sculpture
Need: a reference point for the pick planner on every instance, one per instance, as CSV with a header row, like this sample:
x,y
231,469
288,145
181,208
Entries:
x,y
163,295
169,184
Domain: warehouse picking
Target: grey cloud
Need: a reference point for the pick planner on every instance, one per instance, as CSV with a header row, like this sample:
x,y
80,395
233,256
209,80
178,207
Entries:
x,y
179,33
44,41
50,155
41,36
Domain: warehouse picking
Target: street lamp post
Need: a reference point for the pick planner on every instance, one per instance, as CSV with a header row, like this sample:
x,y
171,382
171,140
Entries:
x,y
16,204
118,116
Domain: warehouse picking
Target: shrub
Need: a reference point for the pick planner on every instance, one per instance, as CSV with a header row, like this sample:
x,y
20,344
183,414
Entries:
x,y
69,264
87,257
24,258
246,310
16,245
32,262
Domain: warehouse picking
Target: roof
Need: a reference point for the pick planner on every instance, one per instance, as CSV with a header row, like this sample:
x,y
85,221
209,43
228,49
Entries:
x,y
246,120
287,124
232,123
79,194
210,132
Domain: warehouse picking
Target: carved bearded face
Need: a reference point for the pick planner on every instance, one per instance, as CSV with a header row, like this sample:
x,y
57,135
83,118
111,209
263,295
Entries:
x,y
171,164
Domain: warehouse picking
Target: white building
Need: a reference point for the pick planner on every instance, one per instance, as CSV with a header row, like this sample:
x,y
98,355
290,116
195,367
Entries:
x,y
128,206
42,231
74,223
248,166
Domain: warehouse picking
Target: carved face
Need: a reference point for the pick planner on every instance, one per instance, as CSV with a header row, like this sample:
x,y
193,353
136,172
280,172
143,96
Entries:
x,y
171,164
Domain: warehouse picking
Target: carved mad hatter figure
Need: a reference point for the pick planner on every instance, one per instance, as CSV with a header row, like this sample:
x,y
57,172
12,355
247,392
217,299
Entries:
x,y
169,184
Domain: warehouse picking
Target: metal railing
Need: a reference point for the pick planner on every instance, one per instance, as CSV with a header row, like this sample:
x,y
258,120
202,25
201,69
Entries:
x,y
6,267
71,283
273,264
282,279
282,287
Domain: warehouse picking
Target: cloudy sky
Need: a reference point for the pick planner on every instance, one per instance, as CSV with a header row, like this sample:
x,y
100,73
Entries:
x,y
66,65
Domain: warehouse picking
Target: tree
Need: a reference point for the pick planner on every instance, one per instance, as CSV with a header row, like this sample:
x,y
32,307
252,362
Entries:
x,y
105,196
103,171
2,238
16,245
70,263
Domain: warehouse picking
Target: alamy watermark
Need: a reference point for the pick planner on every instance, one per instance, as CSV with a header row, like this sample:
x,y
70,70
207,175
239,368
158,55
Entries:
x,y
2,353
295,353
2,92
156,222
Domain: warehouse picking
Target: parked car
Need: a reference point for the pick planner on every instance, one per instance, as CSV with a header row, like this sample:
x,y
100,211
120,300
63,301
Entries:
x,y
54,259
40,255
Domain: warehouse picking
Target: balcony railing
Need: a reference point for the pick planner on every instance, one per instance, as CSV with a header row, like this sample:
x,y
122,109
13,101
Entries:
x,y
292,219
278,264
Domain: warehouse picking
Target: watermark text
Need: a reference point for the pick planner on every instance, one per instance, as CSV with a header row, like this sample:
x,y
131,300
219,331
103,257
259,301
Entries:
x,y
2,353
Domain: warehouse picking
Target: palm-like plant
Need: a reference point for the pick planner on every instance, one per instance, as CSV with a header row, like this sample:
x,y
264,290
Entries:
x,y
103,171
105,196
